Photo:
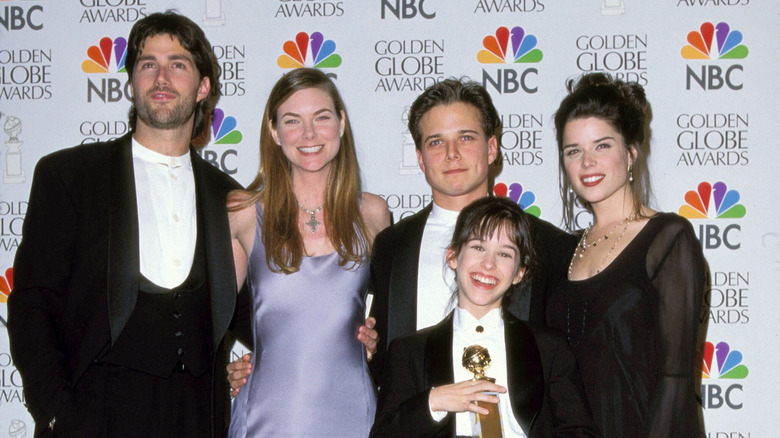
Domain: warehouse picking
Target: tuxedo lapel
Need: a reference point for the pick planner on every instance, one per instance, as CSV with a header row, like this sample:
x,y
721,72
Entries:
x,y
438,361
438,355
211,205
525,375
123,252
402,305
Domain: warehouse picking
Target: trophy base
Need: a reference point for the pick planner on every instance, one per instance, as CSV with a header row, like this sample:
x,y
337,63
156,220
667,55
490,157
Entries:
x,y
487,426
214,21
13,179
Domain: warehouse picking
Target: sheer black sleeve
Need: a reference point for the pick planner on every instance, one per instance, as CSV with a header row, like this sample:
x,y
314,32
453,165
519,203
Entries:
x,y
675,266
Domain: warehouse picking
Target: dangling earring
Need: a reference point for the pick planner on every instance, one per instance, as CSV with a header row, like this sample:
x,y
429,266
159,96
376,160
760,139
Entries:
x,y
630,173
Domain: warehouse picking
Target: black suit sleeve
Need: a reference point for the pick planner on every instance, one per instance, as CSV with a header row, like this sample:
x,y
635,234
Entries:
x,y
676,266
570,414
402,409
241,325
381,263
42,269
554,249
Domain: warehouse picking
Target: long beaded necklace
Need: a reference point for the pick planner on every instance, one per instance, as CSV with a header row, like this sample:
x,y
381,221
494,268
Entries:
x,y
313,222
583,245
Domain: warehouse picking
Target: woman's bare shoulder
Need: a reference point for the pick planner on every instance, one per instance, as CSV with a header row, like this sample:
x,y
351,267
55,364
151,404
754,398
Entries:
x,y
241,212
375,212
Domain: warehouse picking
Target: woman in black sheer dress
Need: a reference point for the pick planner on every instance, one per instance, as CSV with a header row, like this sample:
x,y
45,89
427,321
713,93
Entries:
x,y
630,304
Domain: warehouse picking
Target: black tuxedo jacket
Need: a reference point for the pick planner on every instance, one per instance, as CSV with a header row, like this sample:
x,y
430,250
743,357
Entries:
x,y
77,269
394,265
544,385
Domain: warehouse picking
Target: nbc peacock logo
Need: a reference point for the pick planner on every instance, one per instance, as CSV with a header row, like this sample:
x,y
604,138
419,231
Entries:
x,y
715,201
721,362
497,49
221,152
6,286
524,198
99,57
722,375
507,51
712,201
309,51
714,42
223,128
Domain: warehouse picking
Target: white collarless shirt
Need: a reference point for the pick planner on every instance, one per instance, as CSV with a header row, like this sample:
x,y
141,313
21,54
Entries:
x,y
167,220
435,280
491,336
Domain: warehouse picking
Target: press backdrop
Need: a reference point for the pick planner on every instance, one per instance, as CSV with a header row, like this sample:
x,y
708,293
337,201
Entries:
x,y
709,68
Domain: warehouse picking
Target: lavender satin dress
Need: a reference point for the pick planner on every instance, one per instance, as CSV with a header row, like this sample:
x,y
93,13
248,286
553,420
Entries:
x,y
310,377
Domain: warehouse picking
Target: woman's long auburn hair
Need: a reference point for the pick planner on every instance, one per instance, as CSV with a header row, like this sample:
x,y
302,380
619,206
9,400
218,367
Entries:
x,y
273,186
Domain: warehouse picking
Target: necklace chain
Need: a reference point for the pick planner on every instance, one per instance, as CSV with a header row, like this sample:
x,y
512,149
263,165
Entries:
x,y
313,222
583,242
583,246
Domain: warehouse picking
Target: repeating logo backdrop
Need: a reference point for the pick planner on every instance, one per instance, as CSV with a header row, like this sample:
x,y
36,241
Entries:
x,y
708,67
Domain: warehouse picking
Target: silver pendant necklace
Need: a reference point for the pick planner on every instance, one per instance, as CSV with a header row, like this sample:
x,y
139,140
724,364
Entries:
x,y
313,222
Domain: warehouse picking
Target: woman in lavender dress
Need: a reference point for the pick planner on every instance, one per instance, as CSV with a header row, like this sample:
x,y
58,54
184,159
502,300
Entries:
x,y
302,232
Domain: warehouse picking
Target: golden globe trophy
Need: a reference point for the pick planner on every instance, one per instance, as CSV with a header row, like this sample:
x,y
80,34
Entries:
x,y
476,359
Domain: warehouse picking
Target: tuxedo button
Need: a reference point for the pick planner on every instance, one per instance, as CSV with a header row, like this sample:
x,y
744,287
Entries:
x,y
480,329
178,333
176,315
180,351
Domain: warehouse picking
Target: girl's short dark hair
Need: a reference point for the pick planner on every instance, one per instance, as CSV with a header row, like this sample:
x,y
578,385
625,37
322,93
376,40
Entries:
x,y
490,215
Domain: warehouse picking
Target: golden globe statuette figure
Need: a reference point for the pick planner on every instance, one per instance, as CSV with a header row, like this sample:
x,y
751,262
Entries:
x,y
476,359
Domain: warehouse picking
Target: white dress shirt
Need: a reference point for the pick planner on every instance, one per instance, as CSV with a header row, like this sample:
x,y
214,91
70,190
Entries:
x,y
435,279
167,221
490,334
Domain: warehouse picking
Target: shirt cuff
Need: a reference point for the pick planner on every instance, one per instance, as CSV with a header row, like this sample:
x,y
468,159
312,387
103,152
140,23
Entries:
x,y
436,415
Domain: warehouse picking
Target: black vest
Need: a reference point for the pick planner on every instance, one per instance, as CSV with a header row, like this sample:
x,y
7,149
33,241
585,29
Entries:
x,y
169,327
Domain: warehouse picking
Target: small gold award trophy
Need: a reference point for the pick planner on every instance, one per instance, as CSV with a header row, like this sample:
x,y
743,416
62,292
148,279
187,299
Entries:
x,y
476,359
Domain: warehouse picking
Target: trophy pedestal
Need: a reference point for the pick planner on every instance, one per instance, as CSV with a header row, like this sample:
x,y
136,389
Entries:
x,y
409,164
13,172
213,15
487,426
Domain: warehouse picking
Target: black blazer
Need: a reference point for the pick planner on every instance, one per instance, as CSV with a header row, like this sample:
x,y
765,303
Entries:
x,y
544,385
76,271
394,265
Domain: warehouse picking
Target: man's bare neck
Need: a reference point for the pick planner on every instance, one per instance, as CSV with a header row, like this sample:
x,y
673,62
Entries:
x,y
170,142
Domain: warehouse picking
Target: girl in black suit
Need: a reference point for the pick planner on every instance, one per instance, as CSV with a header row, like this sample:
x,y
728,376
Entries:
x,y
537,382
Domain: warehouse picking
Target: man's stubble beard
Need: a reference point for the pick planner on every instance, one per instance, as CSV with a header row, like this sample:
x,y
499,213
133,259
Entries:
x,y
164,118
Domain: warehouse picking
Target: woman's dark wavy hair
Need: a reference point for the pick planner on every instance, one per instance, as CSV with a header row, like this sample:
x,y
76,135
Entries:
x,y
192,38
624,106
490,215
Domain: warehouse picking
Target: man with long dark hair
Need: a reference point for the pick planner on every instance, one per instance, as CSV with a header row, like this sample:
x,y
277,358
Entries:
x,y
124,279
